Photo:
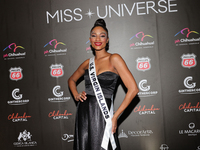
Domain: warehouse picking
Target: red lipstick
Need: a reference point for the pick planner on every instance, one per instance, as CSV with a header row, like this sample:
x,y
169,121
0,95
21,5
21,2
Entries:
x,y
97,43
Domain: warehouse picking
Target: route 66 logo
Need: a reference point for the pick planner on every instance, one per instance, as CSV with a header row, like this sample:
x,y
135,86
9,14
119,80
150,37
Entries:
x,y
16,73
188,60
143,63
56,70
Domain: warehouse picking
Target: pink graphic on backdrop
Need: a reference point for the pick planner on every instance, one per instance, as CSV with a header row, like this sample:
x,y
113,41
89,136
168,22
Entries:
x,y
15,47
56,43
188,32
143,36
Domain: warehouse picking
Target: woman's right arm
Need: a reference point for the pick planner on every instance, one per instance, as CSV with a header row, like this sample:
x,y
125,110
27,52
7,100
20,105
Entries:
x,y
74,78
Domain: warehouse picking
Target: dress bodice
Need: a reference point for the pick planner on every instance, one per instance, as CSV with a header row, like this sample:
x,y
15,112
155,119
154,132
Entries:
x,y
107,80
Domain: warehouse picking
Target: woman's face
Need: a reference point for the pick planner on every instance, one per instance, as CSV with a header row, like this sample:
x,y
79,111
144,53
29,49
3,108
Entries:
x,y
98,38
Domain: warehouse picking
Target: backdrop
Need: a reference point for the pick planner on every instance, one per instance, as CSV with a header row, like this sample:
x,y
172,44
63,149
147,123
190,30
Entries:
x,y
44,42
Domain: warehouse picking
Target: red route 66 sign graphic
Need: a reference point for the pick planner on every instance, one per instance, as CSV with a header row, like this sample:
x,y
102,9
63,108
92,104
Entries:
x,y
16,73
143,63
56,70
188,60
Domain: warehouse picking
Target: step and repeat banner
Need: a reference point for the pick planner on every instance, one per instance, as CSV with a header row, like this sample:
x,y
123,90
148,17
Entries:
x,y
44,42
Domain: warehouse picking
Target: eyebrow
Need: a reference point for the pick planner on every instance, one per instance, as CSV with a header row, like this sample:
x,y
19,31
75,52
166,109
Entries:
x,y
100,33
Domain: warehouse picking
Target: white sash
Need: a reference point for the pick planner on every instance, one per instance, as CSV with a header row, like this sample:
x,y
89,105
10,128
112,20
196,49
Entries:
x,y
103,106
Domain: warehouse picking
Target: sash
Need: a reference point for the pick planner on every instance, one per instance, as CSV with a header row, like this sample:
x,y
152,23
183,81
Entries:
x,y
103,106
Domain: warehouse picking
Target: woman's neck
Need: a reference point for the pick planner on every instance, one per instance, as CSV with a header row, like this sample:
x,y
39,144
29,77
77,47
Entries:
x,y
100,54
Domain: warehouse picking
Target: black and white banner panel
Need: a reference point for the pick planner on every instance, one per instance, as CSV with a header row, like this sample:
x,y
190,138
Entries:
x,y
43,43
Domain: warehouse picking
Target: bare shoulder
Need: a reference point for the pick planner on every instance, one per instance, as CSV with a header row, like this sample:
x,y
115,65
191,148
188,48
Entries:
x,y
116,58
85,64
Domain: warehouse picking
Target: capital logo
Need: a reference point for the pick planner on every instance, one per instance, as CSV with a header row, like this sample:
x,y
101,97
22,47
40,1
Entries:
x,y
189,108
17,118
56,70
54,43
191,125
188,60
15,95
142,87
16,73
187,84
57,115
56,92
68,137
143,64
122,135
164,147
142,110
186,32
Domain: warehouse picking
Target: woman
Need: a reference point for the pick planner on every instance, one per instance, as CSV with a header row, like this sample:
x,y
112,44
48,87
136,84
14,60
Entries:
x,y
95,126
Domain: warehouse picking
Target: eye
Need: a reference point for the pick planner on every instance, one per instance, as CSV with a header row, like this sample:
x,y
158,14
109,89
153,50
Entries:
x,y
103,36
93,35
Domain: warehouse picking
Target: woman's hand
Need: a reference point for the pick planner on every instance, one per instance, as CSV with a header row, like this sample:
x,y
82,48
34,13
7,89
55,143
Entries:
x,y
114,125
81,96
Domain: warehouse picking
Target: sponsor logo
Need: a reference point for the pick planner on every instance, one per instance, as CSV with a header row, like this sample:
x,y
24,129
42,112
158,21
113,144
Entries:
x,y
191,131
190,37
164,147
140,133
57,115
142,43
24,140
190,85
56,70
146,111
145,89
16,53
143,64
18,98
68,137
16,73
188,60
88,48
53,52
107,11
198,148
59,95
122,135
189,107
17,118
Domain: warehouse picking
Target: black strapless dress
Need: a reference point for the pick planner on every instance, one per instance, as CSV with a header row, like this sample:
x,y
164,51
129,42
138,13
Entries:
x,y
90,123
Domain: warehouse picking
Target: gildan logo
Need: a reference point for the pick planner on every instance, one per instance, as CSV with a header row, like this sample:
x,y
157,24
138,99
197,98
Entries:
x,y
191,131
122,135
13,51
190,37
190,85
145,41
145,89
164,147
59,95
16,73
188,60
25,140
18,98
68,137
143,64
54,44
56,70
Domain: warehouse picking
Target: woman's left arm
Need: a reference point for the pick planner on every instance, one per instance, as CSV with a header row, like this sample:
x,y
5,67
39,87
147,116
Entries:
x,y
128,80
